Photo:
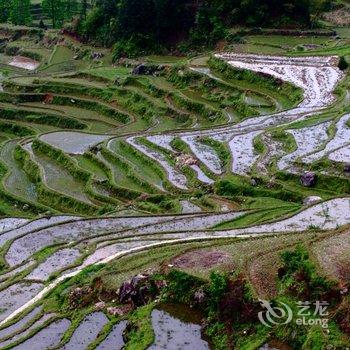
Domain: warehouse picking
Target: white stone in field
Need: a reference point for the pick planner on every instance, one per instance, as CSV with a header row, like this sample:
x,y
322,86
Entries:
x,y
311,200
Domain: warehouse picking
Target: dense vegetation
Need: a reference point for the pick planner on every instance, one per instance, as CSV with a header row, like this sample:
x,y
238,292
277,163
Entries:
x,y
85,135
226,300
19,11
231,308
136,25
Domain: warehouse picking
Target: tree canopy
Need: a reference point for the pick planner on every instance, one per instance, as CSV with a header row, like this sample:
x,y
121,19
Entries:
x,y
15,11
143,24
135,26
60,10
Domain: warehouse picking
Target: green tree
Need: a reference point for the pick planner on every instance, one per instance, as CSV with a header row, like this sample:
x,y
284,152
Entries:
x,y
343,64
70,8
54,9
83,8
140,26
20,12
60,10
4,10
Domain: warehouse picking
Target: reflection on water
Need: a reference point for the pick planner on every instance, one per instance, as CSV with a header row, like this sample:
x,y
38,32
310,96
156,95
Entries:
x,y
87,331
114,340
173,333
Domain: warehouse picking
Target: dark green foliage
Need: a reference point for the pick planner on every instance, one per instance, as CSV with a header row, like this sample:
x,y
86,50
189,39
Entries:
x,y
15,129
47,196
332,184
343,64
104,95
54,10
182,77
19,13
299,276
226,304
12,50
179,145
66,100
4,10
215,92
163,203
46,119
231,310
61,122
83,8
60,10
94,106
240,187
59,296
234,303
121,192
214,17
126,168
196,107
33,55
140,26
31,168
182,286
217,288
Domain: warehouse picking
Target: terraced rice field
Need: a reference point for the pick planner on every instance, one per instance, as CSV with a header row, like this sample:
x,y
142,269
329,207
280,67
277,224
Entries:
x,y
99,164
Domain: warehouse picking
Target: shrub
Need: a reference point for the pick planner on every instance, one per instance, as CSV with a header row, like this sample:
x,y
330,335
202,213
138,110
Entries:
x,y
217,288
126,48
181,286
300,278
343,64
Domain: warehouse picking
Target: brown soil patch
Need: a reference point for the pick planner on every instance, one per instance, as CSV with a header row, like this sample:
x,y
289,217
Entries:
x,y
333,255
202,259
343,270
263,274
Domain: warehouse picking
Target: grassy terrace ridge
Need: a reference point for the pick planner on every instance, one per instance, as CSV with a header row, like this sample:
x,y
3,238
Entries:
x,y
177,99
189,169
262,250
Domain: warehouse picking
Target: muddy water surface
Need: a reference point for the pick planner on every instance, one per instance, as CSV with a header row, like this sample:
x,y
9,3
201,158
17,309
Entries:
x,y
177,327
114,339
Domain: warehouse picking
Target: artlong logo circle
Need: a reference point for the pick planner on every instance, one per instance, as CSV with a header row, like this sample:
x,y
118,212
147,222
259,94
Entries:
x,y
281,314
